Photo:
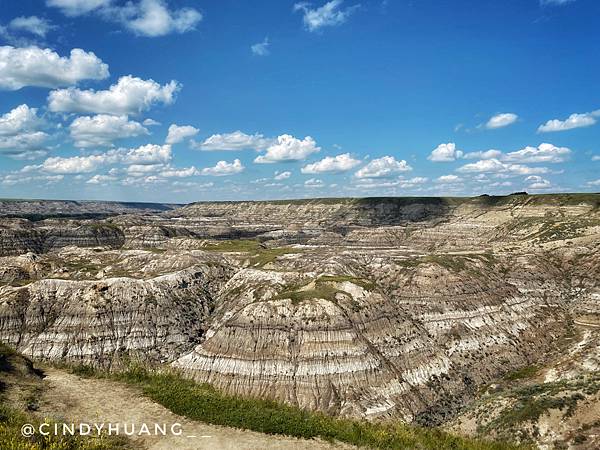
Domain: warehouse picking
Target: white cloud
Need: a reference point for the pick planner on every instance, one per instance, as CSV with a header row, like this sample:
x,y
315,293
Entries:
x,y
32,24
339,163
33,66
20,137
12,179
501,120
594,183
77,7
537,182
148,154
496,166
150,18
131,95
573,121
180,173
101,179
445,153
179,134
22,118
383,167
543,153
223,168
314,183
555,2
596,158
330,14
261,48
101,130
73,165
448,179
488,154
234,141
150,122
412,183
289,148
283,175
141,170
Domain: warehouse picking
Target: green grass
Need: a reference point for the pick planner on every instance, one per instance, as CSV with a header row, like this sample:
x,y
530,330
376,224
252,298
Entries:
x,y
12,420
259,256
365,284
204,403
523,373
532,401
321,290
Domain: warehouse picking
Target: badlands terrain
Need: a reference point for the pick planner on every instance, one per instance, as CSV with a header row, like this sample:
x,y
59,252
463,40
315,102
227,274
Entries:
x,y
480,316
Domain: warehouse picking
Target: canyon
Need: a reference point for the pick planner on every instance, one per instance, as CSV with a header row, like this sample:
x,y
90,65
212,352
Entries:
x,y
440,312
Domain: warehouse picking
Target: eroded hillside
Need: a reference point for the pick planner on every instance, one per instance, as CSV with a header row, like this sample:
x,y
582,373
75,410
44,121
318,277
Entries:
x,y
391,308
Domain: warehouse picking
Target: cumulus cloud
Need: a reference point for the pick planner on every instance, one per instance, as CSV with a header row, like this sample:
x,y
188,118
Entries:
x,y
150,18
73,165
330,14
150,122
223,168
179,134
400,182
234,141
288,148
282,176
32,24
449,179
544,153
314,183
445,153
573,121
73,8
339,163
131,95
101,179
383,167
12,179
33,66
496,166
261,48
146,155
537,182
20,137
180,173
501,120
101,130
487,154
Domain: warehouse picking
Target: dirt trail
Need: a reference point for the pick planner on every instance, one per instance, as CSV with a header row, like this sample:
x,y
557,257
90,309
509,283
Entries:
x,y
71,398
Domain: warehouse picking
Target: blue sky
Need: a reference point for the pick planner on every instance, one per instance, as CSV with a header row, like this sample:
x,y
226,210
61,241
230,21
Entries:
x,y
183,100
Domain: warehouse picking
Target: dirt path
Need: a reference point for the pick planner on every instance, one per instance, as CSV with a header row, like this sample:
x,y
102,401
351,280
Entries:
x,y
71,398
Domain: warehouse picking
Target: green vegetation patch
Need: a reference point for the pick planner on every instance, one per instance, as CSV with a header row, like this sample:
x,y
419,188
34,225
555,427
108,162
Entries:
x,y
365,284
259,255
532,401
523,373
204,403
12,368
11,421
321,290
